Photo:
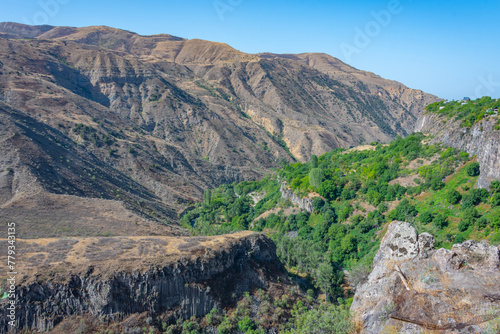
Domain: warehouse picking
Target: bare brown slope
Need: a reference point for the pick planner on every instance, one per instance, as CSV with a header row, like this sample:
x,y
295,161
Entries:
x,y
177,116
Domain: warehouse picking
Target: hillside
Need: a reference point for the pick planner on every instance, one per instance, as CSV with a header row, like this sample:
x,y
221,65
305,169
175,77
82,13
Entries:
x,y
177,116
121,281
328,217
473,127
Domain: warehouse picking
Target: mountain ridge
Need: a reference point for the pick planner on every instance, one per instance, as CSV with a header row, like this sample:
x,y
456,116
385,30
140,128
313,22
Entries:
x,y
179,116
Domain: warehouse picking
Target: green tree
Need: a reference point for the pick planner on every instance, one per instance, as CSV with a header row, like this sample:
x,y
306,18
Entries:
x,y
329,190
314,161
440,221
207,196
318,203
324,277
453,196
473,169
246,324
426,217
316,177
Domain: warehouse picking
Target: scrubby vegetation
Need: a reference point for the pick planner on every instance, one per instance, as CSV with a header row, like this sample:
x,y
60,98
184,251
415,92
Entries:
x,y
355,194
469,112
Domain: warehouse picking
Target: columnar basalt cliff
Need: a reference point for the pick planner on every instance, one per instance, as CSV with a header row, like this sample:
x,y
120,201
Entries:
x,y
481,139
413,287
112,278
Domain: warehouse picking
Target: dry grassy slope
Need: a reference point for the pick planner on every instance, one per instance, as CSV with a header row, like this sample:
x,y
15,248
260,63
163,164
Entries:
x,y
45,177
114,278
56,259
176,116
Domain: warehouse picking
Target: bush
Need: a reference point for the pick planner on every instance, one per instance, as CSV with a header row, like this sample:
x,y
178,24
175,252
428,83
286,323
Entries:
x,y
470,215
440,221
382,207
318,203
246,324
426,217
495,200
463,225
459,238
453,196
327,319
474,197
482,222
473,169
403,211
226,327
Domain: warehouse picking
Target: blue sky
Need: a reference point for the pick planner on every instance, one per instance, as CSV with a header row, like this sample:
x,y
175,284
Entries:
x,y
447,48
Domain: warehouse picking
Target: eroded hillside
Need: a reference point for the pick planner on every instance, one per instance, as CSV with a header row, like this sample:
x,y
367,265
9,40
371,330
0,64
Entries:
x,y
177,116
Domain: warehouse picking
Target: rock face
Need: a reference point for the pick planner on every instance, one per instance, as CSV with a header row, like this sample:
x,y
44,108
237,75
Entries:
x,y
117,277
304,203
413,287
481,140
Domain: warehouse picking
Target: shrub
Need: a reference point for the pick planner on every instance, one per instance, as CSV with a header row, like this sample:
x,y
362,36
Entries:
x,y
382,207
463,225
482,222
226,327
473,169
474,197
403,211
495,200
453,196
246,324
459,238
440,221
318,203
325,319
426,217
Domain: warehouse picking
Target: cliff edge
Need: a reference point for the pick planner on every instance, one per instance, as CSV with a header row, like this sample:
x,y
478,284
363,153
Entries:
x,y
482,139
414,287
112,278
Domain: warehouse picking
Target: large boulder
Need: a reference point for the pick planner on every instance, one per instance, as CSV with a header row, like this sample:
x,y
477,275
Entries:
x,y
413,287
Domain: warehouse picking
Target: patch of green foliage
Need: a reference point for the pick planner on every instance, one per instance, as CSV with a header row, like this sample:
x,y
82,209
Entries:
x,y
469,112
356,194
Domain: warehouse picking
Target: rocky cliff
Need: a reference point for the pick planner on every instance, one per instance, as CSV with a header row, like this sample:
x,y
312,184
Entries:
x,y
414,287
112,278
481,139
305,203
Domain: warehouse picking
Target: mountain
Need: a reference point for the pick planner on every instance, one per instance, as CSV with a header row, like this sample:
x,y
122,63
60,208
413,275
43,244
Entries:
x,y
163,118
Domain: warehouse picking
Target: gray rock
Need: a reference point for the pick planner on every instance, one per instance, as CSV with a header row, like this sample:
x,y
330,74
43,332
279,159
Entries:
x,y
478,255
304,203
425,245
413,287
481,140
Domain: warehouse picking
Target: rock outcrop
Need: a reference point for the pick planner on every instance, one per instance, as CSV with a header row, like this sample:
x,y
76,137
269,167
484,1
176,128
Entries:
x,y
305,203
481,139
413,287
112,278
